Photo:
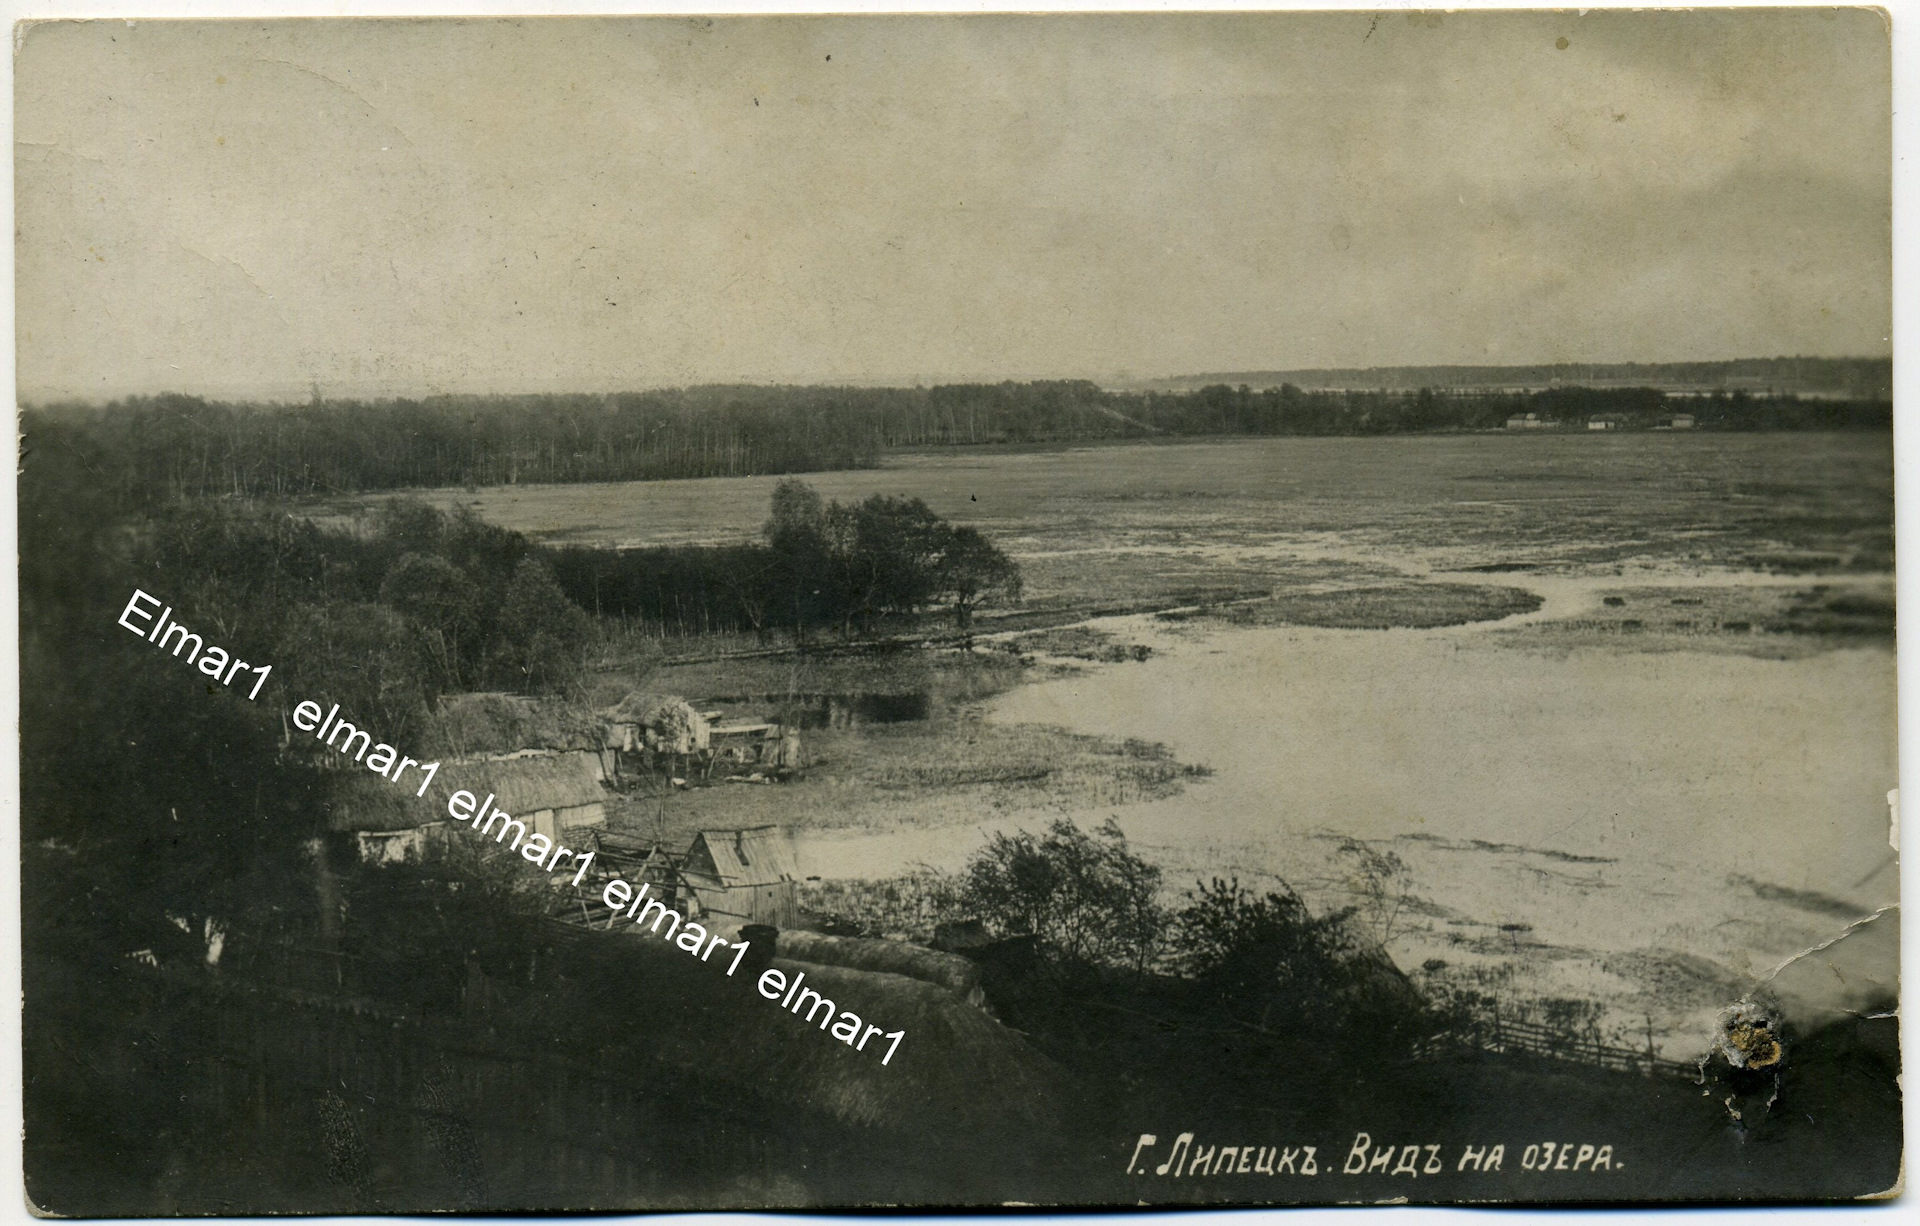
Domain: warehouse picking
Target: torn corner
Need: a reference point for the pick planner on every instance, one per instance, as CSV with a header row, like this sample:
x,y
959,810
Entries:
x,y
1856,972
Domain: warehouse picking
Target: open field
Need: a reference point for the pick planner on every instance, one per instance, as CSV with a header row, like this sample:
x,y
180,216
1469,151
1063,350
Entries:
x,y
1190,519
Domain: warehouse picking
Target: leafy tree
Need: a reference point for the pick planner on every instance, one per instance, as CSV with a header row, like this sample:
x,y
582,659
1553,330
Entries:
x,y
975,571
486,552
1258,952
1088,900
152,803
887,551
852,564
798,513
366,657
165,808
439,600
542,635
410,525
797,531
1262,959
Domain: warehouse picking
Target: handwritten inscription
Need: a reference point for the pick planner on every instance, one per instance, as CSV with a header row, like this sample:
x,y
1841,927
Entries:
x,y
1186,1158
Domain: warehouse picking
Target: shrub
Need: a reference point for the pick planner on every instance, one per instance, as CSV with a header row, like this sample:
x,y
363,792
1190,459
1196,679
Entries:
x,y
1087,900
1256,954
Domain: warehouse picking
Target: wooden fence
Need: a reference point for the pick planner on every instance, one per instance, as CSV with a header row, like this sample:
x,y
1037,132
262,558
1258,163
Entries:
x,y
1507,1036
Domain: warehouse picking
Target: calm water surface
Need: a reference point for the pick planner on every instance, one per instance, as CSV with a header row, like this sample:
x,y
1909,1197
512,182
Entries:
x,y
1651,830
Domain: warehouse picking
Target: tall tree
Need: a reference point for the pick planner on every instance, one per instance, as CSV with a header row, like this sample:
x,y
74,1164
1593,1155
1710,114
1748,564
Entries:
x,y
437,598
975,571
796,531
542,636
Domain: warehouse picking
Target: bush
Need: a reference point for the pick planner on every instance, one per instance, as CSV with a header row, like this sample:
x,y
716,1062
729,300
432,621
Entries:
x,y
1268,962
1088,901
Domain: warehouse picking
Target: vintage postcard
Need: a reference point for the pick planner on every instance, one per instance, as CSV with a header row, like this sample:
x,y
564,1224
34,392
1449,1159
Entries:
x,y
1180,610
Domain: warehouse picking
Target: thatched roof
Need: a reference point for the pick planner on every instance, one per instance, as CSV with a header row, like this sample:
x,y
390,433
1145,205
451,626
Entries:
x,y
950,971
957,1068
954,1060
759,855
670,721
468,725
362,800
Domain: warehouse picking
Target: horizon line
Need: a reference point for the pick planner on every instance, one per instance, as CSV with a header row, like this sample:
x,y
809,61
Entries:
x,y
286,393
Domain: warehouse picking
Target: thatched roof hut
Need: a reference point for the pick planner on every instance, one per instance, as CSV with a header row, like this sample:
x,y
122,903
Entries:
x,y
949,971
956,1071
956,1068
546,791
955,1058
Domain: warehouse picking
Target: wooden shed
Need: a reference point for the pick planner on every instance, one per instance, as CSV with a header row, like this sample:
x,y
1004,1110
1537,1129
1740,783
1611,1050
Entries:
x,y
747,875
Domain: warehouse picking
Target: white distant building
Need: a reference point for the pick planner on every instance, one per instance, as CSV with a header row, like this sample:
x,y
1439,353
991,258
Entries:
x,y
1603,423
1525,421
1682,421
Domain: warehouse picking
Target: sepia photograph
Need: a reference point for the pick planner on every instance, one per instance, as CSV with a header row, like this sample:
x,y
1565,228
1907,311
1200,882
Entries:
x,y
926,611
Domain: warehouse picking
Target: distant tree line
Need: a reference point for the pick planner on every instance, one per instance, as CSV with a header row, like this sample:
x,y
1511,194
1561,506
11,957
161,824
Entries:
x,y
1855,378
820,565
173,446
1219,409
180,446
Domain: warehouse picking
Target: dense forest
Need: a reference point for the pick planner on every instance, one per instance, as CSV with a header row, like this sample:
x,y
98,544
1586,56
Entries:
x,y
165,447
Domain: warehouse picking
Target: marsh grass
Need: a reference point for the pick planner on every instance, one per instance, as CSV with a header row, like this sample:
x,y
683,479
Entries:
x,y
1409,605
908,907
1081,643
1762,620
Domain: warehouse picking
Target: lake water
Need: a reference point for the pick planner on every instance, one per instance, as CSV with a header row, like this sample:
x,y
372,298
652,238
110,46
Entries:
x,y
1654,831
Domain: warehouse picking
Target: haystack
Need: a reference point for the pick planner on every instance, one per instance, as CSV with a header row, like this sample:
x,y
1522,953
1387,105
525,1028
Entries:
x,y
668,724
949,971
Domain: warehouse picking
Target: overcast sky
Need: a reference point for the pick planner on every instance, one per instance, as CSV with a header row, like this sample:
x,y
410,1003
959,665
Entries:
x,y
406,207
